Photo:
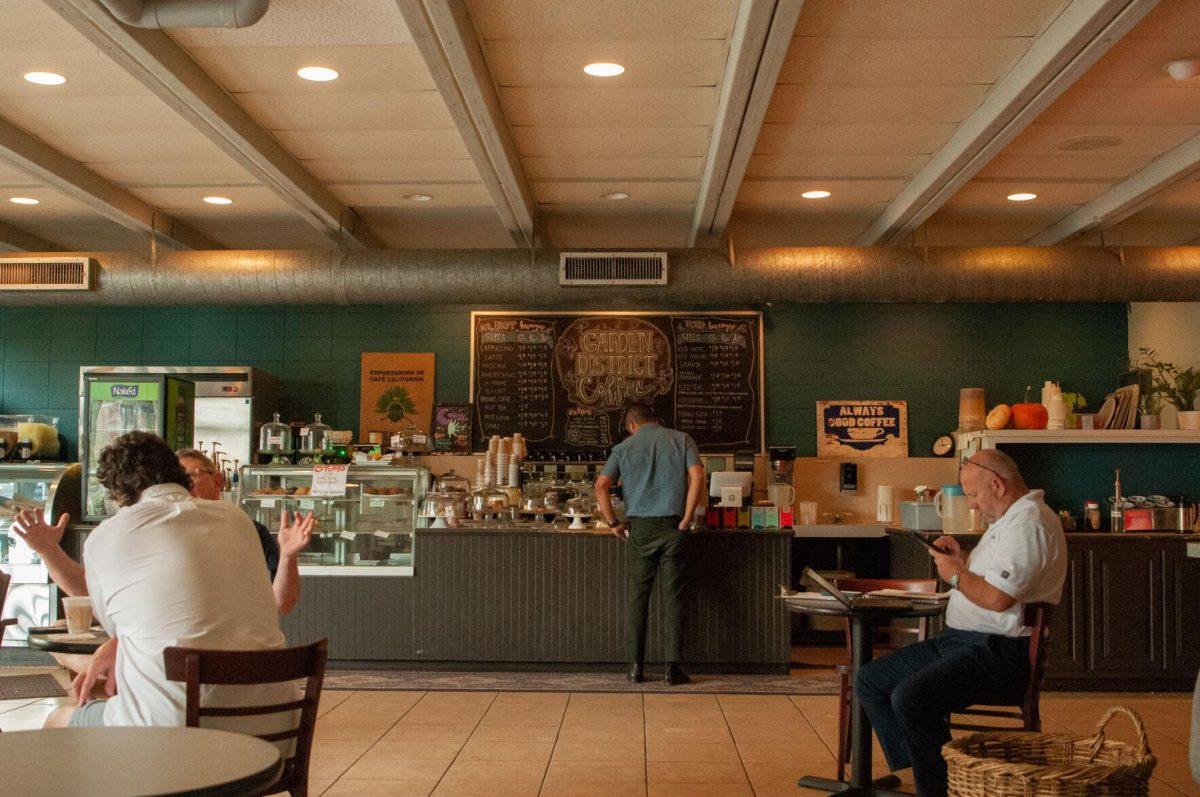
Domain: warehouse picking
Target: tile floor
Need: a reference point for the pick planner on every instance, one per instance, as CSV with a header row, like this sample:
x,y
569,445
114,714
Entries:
x,y
571,745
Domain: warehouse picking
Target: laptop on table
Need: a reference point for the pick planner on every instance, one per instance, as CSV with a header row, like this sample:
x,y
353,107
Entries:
x,y
859,602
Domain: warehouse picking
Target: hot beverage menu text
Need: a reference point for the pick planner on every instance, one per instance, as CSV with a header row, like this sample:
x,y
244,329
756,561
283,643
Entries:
x,y
563,380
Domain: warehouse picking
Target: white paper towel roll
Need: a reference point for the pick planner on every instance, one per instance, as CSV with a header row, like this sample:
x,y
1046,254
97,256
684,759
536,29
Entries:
x,y
884,505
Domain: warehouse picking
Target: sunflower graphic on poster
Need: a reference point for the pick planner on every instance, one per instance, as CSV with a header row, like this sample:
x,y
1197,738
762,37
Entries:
x,y
394,405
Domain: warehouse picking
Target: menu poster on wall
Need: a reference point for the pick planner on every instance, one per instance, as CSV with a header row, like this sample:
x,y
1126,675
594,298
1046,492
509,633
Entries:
x,y
862,429
563,380
397,392
452,428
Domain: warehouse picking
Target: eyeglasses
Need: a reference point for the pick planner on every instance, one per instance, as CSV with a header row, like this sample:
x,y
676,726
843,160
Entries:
x,y
967,462
196,473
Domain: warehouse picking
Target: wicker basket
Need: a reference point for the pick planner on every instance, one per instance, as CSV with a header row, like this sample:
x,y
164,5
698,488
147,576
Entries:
x,y
1019,764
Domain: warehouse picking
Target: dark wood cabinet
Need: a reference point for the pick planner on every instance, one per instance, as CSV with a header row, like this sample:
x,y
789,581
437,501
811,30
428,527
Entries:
x,y
1126,608
1129,618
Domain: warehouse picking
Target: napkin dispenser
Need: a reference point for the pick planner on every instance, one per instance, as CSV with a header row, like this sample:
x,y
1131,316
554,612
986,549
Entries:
x,y
919,516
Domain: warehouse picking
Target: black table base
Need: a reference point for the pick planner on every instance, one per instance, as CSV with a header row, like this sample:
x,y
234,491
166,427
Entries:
x,y
882,787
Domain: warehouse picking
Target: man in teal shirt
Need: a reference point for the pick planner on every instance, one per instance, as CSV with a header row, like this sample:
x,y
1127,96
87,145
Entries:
x,y
662,480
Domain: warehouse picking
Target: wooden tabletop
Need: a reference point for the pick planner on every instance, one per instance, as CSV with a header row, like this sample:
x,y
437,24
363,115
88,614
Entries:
x,y
118,761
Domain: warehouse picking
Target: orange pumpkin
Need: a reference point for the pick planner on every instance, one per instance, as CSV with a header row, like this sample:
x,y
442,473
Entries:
x,y
1028,415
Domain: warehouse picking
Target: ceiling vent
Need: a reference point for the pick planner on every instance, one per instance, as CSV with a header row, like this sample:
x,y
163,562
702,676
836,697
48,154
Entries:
x,y
612,268
46,273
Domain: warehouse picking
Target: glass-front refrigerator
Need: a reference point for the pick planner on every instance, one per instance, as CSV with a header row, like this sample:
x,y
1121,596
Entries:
x,y
114,404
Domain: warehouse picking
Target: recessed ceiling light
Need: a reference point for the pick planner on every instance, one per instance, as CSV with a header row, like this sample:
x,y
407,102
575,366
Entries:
x,y
418,197
615,195
815,194
218,200
1184,69
45,78
1022,197
603,69
319,74
24,200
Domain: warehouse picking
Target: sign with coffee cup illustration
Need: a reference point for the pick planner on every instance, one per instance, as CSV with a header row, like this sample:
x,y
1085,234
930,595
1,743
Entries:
x,y
862,429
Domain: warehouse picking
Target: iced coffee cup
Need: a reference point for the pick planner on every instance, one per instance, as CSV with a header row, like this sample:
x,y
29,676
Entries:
x,y
79,614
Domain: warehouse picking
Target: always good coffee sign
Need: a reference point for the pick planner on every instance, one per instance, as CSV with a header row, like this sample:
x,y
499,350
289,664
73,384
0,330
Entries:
x,y
862,429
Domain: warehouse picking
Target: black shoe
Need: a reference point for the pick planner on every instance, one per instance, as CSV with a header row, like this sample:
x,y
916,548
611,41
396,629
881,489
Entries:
x,y
675,676
634,674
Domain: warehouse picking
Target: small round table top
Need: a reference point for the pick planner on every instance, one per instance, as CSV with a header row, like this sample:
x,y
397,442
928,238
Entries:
x,y
68,643
834,608
134,761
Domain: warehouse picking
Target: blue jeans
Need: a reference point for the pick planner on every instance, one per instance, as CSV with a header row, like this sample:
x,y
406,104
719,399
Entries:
x,y
910,694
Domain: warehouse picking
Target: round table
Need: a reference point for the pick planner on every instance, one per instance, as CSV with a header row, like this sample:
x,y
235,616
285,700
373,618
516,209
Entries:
x,y
135,761
55,642
862,626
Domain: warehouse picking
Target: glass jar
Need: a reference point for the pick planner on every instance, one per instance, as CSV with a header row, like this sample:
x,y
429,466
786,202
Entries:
x,y
488,502
444,509
274,436
451,482
312,437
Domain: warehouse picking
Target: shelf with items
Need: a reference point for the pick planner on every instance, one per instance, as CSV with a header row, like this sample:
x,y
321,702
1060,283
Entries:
x,y
974,441
366,531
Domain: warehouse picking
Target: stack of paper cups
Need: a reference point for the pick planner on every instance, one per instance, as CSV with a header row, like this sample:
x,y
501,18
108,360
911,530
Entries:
x,y
502,459
518,446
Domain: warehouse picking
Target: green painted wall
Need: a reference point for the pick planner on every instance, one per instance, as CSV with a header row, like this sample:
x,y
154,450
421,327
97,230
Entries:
x,y
921,353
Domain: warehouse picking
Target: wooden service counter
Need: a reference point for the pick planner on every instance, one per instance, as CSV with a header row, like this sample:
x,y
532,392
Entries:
x,y
508,598
1127,621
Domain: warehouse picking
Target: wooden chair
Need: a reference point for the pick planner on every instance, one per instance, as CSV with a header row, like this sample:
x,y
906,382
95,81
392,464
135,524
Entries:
x,y
246,667
896,637
5,622
1037,616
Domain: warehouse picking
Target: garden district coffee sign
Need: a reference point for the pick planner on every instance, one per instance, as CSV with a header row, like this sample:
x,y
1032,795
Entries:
x,y
563,379
862,429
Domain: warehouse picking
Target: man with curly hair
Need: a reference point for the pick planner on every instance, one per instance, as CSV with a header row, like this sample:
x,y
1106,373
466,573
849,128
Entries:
x,y
170,569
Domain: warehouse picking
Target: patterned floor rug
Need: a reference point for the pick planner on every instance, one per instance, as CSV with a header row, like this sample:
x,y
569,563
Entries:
x,y
21,687
576,682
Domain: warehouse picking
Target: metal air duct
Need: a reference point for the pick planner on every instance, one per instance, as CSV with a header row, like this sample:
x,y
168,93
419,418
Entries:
x,y
187,13
699,277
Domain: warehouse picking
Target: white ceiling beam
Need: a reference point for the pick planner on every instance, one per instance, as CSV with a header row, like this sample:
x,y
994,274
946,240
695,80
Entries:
x,y
1126,197
762,34
446,37
1077,38
164,67
55,170
13,239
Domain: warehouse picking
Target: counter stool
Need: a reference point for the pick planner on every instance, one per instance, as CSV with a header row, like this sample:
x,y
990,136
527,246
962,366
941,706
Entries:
x,y
895,639
248,667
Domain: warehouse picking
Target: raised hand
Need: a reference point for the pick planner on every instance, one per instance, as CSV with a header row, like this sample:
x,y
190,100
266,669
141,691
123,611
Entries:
x,y
295,533
37,533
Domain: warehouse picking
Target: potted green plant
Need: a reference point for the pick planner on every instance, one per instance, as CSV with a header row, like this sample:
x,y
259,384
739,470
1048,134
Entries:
x,y
1173,385
1074,403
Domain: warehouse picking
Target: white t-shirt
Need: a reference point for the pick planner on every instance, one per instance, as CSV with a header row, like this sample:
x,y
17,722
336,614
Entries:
x,y
1024,555
177,570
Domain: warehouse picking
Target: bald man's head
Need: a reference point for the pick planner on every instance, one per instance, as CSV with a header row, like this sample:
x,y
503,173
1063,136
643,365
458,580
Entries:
x,y
992,482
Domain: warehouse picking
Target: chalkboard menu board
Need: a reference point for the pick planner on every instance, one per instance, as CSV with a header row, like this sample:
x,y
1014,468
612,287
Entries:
x,y
563,379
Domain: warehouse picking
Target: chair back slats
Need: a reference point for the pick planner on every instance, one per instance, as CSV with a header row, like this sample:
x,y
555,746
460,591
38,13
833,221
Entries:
x,y
196,667
230,667
250,711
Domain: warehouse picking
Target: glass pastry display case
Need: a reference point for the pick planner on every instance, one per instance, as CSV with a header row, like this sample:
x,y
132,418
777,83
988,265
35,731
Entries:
x,y
367,531
51,489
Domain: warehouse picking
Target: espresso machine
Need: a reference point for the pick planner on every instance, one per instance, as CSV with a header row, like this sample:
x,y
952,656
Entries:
x,y
780,490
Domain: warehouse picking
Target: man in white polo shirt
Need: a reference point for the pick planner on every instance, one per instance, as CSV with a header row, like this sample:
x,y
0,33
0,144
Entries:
x,y
171,570
983,655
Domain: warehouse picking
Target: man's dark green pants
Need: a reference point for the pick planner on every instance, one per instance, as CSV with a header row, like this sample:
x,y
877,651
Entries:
x,y
655,546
